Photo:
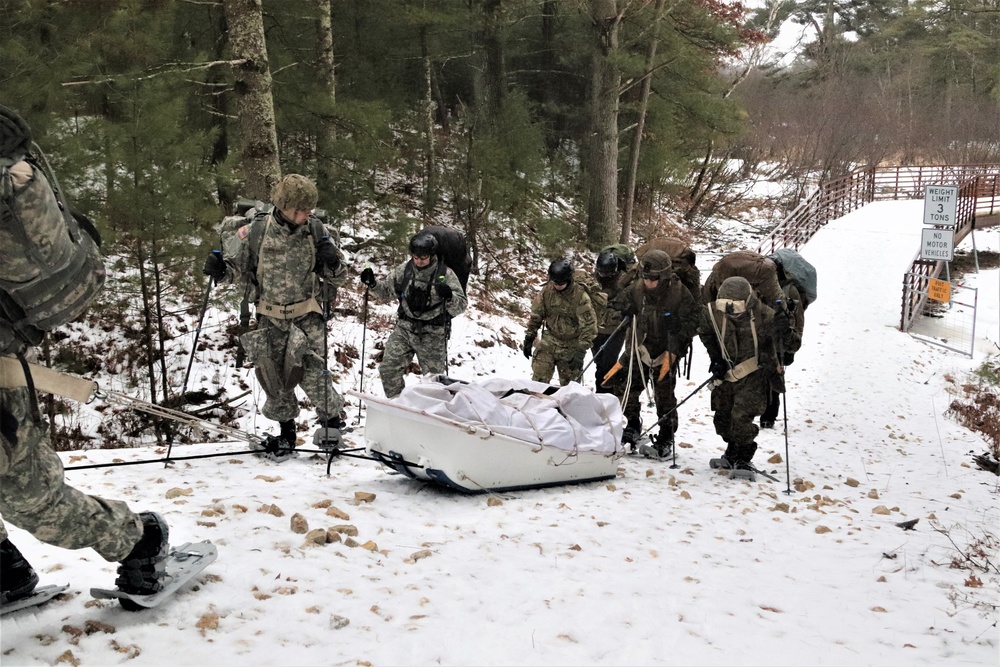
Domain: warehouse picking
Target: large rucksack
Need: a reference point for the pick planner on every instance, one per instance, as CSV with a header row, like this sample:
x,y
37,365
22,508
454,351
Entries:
x,y
801,273
453,249
51,267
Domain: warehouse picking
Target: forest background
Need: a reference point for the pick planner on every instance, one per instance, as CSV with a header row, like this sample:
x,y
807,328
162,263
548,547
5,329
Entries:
x,y
533,125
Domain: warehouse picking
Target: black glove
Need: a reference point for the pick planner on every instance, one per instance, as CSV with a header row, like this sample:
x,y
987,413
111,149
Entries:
x,y
787,358
368,277
782,325
443,290
214,266
529,342
326,255
719,368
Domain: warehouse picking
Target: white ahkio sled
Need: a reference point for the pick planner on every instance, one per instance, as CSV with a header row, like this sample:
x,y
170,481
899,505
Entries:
x,y
495,435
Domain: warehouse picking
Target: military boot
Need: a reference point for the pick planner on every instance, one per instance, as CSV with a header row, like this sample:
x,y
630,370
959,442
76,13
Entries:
x,y
288,432
143,570
16,574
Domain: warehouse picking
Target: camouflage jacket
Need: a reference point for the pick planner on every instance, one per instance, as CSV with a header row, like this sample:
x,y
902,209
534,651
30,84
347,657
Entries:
x,y
666,318
418,301
285,262
738,336
568,316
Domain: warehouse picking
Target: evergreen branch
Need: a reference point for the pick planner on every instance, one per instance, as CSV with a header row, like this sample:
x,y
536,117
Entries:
x,y
178,69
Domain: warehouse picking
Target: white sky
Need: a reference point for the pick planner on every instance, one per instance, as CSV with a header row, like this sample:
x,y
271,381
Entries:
x,y
672,567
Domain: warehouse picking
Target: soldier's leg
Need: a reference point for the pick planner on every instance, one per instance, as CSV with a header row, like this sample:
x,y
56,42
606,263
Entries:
x,y
316,382
630,385
666,401
770,414
568,364
34,494
432,350
749,401
280,403
722,408
543,364
396,357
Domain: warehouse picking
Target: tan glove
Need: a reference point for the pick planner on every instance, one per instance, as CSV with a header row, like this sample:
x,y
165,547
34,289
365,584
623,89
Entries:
x,y
610,374
668,361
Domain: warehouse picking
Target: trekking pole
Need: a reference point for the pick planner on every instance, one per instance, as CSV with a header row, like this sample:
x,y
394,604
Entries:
x,y
326,377
197,332
788,464
601,348
364,335
673,409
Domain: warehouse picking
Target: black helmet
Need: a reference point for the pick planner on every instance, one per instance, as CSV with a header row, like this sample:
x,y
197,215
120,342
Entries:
x,y
561,271
607,264
423,244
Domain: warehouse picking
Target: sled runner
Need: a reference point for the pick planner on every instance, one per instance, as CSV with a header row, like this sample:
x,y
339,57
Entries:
x,y
496,435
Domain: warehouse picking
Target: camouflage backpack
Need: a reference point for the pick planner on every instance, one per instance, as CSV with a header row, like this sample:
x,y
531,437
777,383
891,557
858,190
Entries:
x,y
51,267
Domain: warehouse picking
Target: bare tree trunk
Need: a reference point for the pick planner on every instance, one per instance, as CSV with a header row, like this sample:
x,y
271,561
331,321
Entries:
x,y
494,75
328,84
602,163
430,189
633,166
256,130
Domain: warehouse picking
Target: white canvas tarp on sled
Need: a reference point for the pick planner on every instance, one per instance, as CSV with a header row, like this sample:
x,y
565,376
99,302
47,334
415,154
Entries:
x,y
496,434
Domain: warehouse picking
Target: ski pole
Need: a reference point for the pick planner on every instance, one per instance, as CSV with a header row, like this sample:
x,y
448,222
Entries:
x,y
601,348
197,332
788,464
673,409
364,335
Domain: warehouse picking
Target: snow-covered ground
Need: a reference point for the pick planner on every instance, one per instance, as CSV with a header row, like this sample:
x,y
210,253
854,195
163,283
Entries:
x,y
663,566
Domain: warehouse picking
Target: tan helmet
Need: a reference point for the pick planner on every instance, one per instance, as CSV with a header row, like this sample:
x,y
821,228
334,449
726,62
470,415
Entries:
x,y
295,191
656,265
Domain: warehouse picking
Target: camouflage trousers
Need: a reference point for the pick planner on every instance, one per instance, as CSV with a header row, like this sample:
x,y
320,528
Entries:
x,y
736,405
34,495
429,343
553,355
663,396
287,354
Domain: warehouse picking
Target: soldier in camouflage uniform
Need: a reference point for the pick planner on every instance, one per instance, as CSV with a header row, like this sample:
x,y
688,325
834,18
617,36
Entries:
x,y
430,295
666,319
742,336
44,252
565,310
293,277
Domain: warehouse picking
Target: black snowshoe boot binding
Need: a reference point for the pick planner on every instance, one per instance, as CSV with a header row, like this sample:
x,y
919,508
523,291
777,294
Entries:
x,y
661,447
767,423
277,448
18,577
721,463
143,570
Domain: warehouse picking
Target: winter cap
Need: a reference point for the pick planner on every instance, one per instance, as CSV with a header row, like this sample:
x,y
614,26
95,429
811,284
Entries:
x,y
295,191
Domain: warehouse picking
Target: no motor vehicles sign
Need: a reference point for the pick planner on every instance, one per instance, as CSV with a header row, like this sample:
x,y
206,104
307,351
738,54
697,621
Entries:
x,y
937,244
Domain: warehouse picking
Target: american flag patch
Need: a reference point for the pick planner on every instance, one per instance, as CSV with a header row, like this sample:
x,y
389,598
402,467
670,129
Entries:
x,y
243,232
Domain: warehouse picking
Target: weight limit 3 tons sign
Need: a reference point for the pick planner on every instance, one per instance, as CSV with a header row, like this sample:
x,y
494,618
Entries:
x,y
941,205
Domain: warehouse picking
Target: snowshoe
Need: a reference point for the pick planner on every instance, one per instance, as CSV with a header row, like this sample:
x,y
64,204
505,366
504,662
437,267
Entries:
x,y
721,463
658,448
743,470
39,595
277,448
179,567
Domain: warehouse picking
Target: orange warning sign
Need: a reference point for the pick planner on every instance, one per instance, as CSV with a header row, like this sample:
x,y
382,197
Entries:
x,y
939,290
